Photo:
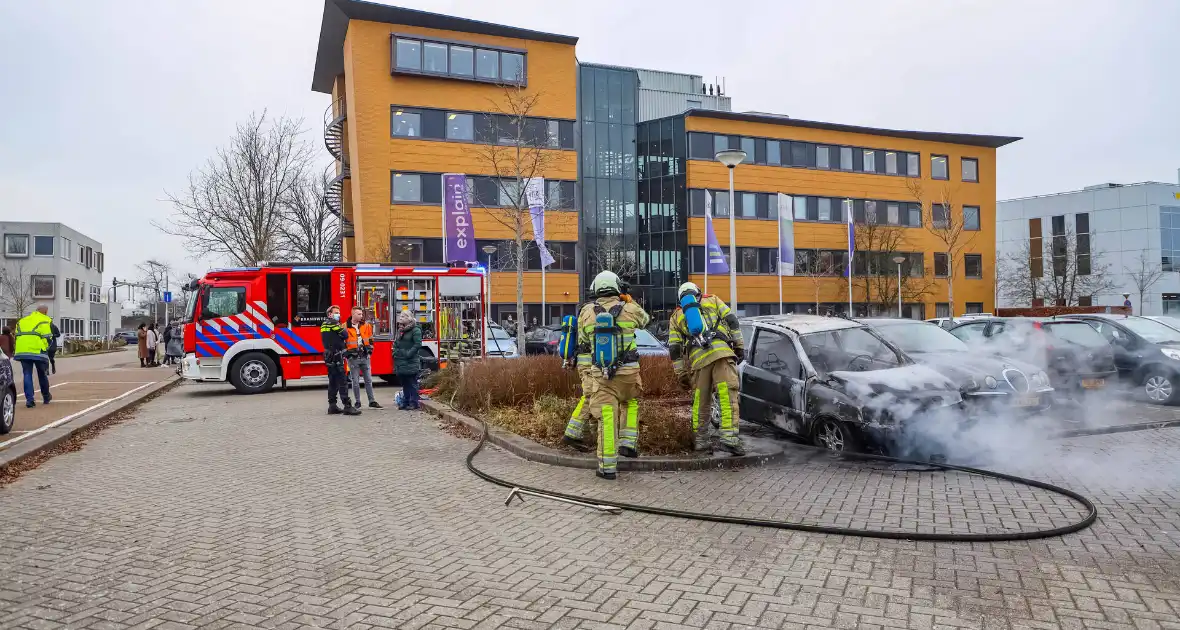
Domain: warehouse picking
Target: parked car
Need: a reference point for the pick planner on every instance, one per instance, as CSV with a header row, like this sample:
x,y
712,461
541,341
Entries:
x,y
836,382
1075,359
499,343
987,383
542,340
1166,320
1146,353
128,336
7,394
648,345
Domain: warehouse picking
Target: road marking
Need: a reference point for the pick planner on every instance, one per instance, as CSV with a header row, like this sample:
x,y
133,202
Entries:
x,y
106,383
58,423
57,400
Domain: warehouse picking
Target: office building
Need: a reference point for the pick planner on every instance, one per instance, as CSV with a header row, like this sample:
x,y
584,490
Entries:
x,y
628,158
1123,231
54,265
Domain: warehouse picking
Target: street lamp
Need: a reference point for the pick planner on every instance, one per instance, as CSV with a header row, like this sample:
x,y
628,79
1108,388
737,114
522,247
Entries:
x,y
731,158
899,260
489,250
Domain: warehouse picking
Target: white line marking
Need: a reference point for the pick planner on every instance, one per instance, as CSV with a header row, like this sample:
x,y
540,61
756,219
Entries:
x,y
58,423
105,383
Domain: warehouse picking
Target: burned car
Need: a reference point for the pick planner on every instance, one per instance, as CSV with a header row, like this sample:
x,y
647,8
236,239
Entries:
x,y
837,383
989,384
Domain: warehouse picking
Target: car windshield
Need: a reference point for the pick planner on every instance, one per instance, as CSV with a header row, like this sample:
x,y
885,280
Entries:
x,y
852,349
190,308
1151,330
921,337
645,339
1076,332
499,333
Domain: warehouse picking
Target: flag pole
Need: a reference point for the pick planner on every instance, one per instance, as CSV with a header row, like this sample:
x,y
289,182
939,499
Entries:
x,y
709,218
848,209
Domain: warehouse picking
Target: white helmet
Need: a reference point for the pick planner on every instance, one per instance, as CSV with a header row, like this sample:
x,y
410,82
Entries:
x,y
688,287
605,283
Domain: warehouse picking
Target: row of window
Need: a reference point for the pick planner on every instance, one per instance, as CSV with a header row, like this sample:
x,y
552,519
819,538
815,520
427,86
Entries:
x,y
484,128
430,250
482,191
834,262
458,60
17,246
752,205
772,152
1061,248
910,311
43,287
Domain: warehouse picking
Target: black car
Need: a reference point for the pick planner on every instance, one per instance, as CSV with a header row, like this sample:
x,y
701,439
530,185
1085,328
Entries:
x,y
7,394
836,383
1146,353
1075,358
130,337
542,340
988,383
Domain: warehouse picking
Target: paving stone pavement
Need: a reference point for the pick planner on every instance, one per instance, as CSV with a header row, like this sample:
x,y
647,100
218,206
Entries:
x,y
208,509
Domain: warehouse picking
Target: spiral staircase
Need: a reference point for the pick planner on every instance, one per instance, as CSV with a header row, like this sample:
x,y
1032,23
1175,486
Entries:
x,y
334,118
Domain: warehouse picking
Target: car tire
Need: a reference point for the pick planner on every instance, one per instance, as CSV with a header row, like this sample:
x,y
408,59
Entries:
x,y
836,436
1160,387
7,411
253,373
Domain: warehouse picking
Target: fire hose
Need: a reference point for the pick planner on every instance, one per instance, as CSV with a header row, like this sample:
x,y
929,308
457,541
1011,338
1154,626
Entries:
x,y
615,507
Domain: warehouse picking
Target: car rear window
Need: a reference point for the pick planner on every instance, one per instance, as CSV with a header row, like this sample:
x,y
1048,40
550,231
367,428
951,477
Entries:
x,y
1078,333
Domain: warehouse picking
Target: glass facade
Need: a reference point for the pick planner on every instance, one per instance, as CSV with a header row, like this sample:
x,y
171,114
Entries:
x,y
1169,238
663,212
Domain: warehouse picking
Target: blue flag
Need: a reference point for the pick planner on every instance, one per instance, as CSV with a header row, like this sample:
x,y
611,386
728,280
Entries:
x,y
714,256
851,239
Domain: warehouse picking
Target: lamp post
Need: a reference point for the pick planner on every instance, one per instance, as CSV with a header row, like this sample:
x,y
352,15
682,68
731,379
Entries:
x,y
899,260
489,250
731,159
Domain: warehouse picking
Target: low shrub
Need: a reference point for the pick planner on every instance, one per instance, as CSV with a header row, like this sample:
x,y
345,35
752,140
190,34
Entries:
x,y
659,379
663,429
73,346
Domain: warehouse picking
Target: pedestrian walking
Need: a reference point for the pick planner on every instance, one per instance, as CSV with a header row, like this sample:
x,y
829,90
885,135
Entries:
x,y
141,340
53,346
31,348
153,344
335,341
360,348
407,362
6,341
174,344
166,336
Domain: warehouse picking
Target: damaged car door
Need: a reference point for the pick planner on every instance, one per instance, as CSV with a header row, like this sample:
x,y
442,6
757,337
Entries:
x,y
773,383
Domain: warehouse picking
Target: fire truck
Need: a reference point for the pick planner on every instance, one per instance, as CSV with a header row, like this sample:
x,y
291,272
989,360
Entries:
x,y
258,326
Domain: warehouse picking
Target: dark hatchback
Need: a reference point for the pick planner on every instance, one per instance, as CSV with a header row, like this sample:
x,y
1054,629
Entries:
x,y
988,383
1076,359
7,394
1146,353
542,340
837,383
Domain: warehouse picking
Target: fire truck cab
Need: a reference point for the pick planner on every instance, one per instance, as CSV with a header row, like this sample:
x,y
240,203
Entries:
x,y
252,326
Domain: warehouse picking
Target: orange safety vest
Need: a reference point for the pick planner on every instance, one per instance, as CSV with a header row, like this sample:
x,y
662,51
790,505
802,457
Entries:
x,y
365,337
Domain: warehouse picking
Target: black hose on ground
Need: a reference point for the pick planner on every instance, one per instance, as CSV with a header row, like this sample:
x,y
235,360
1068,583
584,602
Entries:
x,y
1091,510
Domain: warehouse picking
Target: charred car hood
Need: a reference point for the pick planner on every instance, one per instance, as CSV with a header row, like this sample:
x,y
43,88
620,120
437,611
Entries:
x,y
962,367
916,385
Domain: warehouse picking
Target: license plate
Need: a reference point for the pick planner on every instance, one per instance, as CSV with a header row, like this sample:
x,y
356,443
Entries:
x,y
1028,401
1093,383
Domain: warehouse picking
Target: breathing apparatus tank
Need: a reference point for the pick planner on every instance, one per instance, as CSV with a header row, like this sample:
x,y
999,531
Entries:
x,y
567,345
693,319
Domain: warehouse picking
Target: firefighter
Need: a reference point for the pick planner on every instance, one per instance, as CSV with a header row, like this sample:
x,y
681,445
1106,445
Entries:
x,y
335,340
360,348
614,364
708,363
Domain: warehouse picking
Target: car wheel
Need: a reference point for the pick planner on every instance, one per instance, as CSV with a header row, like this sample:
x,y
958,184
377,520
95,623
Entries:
x,y
1160,388
253,373
7,412
836,436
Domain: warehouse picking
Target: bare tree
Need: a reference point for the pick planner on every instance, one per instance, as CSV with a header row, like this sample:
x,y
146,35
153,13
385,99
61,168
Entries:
x,y
1073,272
609,253
234,204
948,224
16,290
876,244
523,152
155,274
819,267
309,229
393,247
1145,275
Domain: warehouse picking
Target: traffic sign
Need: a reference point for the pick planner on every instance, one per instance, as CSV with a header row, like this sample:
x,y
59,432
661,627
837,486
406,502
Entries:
x,y
1127,303
167,297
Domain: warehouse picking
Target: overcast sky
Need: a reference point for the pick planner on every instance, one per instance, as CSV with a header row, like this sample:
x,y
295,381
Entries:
x,y
108,104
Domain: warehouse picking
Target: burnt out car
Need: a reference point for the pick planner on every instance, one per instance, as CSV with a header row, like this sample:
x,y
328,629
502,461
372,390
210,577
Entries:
x,y
989,384
7,394
837,383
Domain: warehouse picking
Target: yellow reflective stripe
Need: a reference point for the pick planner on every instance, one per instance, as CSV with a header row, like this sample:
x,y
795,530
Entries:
x,y
578,411
607,458
696,360
726,410
696,409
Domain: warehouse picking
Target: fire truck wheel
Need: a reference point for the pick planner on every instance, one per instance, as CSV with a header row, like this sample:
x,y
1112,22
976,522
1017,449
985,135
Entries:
x,y
253,373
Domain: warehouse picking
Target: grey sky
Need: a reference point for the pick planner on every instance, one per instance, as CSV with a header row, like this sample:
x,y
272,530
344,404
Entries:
x,y
110,103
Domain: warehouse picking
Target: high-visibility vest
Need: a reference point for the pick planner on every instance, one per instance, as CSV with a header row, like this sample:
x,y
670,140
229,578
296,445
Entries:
x,y
31,336
364,338
721,346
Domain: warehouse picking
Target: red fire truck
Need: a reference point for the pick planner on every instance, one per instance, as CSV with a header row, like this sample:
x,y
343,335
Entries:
x,y
252,326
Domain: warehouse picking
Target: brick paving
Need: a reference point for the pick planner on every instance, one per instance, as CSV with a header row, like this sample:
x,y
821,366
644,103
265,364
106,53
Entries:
x,y
209,509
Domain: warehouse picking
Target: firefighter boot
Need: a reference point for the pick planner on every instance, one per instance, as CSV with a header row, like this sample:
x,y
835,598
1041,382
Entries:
x,y
575,443
734,448
609,476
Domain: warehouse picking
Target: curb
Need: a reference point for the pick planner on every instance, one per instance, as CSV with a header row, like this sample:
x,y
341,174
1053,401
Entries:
x,y
1118,428
10,455
527,449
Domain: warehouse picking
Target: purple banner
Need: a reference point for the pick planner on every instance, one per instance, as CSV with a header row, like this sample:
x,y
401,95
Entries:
x,y
458,234
786,237
714,256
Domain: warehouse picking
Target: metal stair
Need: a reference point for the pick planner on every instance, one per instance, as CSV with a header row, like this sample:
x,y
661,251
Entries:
x,y
334,118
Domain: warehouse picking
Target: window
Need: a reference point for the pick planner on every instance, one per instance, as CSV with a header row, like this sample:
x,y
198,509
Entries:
x,y
869,160
512,67
941,268
1059,245
938,167
487,64
748,147
974,308
700,146
720,143
970,170
720,203
225,301
973,266
100,260
776,353
42,245
1085,300
915,212
823,157
943,309
66,246
434,57
407,187
970,217
846,158
971,333
890,163
773,153
95,293
825,209
941,216
462,63
460,127
43,287
800,208
406,124
409,54
913,164
802,154
1036,249
749,205
1082,242
407,250
16,245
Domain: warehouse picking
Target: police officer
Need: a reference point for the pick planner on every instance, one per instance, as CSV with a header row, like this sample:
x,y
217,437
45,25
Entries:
x,y
713,365
335,340
613,386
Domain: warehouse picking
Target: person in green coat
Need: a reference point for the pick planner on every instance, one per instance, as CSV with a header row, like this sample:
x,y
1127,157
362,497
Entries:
x,y
406,360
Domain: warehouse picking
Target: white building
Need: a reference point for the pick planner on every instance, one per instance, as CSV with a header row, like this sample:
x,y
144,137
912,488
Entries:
x,y
663,94
52,264
1121,223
